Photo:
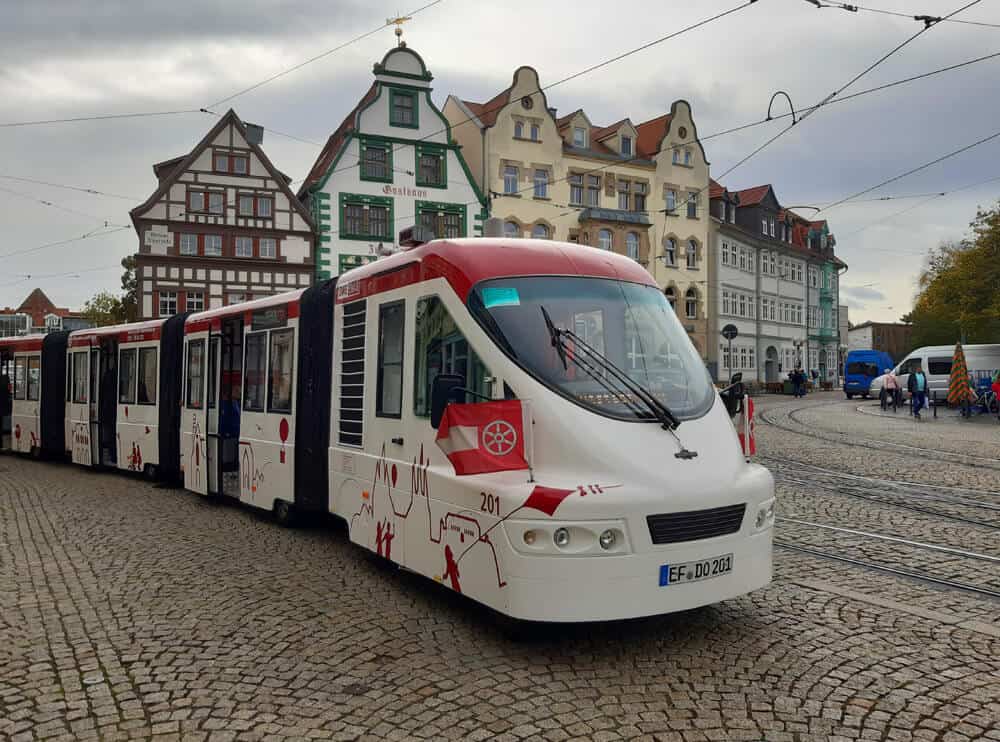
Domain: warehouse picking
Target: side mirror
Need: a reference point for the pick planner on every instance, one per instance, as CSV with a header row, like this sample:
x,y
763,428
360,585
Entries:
x,y
443,391
732,397
736,378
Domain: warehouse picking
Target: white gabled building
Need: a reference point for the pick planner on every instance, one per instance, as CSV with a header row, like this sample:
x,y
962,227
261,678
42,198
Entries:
x,y
390,165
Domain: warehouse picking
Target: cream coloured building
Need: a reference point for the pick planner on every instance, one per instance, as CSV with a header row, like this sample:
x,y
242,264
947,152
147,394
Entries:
x,y
640,190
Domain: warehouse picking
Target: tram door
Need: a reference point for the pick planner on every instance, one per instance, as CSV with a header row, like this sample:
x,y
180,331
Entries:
x,y
212,442
230,395
6,398
107,404
79,396
194,415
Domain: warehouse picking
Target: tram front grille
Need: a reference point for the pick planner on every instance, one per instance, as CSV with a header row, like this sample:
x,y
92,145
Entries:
x,y
693,525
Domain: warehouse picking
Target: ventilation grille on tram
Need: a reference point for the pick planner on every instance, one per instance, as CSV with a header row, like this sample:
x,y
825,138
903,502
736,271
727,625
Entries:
x,y
352,375
692,525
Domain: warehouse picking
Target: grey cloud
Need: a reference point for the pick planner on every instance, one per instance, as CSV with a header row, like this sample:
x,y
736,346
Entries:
x,y
861,293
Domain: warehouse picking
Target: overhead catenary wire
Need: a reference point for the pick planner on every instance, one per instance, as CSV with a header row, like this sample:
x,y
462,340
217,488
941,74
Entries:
x,y
86,236
97,117
923,17
26,277
91,191
59,207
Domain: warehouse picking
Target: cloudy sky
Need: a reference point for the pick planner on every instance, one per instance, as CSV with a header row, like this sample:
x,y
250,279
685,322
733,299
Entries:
x,y
67,58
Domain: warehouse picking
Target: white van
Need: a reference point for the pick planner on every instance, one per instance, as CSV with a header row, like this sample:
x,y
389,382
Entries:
x,y
935,360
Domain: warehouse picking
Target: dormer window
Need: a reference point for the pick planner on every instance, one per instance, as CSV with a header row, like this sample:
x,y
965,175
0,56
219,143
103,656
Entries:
x,y
627,146
579,136
772,226
403,108
763,225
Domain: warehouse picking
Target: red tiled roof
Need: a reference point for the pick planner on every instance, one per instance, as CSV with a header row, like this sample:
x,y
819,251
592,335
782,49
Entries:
x,y
753,196
651,134
487,112
563,121
715,190
598,133
335,141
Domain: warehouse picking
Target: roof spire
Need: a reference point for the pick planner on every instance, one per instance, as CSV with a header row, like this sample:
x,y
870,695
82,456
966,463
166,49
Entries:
x,y
398,22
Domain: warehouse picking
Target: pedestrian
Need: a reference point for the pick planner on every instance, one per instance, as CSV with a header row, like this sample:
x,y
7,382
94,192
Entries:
x,y
798,382
917,387
890,385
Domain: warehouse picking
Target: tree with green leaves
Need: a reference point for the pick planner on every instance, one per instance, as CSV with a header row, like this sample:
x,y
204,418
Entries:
x,y
104,309
959,297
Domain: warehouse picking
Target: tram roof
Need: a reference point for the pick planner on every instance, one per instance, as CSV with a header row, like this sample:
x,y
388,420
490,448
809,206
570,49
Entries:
x,y
129,332
21,343
466,262
198,320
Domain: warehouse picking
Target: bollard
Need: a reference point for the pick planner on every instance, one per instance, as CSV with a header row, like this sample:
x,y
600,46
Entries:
x,y
935,405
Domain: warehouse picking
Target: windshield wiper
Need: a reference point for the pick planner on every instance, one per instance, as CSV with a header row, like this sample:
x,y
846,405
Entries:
x,y
659,410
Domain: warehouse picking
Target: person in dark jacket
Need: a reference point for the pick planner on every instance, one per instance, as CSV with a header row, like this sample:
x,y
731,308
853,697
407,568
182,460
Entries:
x,y
798,382
916,385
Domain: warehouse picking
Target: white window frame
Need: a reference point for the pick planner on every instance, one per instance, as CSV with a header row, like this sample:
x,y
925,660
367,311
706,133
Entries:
x,y
212,251
240,246
511,179
626,146
191,249
166,299
268,247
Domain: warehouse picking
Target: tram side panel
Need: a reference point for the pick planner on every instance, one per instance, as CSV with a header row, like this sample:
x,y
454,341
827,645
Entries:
x,y
25,364
79,400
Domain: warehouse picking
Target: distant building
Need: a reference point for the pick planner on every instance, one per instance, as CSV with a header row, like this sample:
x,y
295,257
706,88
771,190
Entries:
x,y
390,165
36,314
894,338
844,337
221,227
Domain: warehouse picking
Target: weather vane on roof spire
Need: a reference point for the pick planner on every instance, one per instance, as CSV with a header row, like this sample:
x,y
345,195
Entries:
x,y
398,22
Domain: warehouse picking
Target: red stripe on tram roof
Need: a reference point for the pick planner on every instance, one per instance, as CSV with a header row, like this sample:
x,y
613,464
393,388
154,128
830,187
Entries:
x,y
22,344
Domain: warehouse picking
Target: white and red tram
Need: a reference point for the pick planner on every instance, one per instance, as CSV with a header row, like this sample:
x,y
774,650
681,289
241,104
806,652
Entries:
x,y
523,421
31,408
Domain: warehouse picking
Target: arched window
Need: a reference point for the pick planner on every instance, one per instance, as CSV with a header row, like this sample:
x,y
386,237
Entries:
x,y
604,239
518,130
670,251
671,297
692,254
540,232
632,245
691,304
510,229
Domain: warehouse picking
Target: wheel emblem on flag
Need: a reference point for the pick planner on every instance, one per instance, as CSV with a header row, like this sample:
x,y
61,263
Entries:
x,y
499,437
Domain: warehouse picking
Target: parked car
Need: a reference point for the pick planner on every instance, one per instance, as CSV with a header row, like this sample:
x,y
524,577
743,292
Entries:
x,y
861,368
936,363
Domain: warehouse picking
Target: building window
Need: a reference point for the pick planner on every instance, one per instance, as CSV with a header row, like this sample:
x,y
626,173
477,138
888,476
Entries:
x,y
671,200
743,305
604,239
511,229
639,202
691,304
244,247
632,245
593,190
676,156
225,162
670,251
196,201
246,205
241,165
725,302
147,376
732,213
540,232
763,225
431,168
743,259
541,184
213,245
264,207
365,217
268,247
579,136
194,302
443,220
772,226
221,163
168,303
576,188
627,146
671,297
237,297
534,132
216,203
510,179
623,195
389,394
376,162
692,205
403,108
518,130
687,157
692,255
189,244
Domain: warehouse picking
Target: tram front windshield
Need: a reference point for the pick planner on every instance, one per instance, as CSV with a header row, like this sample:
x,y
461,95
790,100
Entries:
x,y
631,325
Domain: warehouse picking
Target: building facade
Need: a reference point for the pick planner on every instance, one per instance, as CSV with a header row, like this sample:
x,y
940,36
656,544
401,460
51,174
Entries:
x,y
640,190
221,227
894,338
37,314
390,165
775,277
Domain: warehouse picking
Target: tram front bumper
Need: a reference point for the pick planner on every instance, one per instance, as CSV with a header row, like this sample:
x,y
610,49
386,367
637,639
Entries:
x,y
612,587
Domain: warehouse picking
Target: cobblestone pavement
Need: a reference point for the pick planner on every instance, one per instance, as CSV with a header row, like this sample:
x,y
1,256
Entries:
x,y
130,611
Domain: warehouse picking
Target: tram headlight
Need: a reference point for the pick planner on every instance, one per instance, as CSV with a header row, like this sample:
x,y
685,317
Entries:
x,y
561,537
529,537
607,539
765,516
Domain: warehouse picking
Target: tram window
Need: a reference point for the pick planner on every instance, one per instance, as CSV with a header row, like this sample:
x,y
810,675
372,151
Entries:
x,y
195,374
441,348
34,377
279,378
80,361
147,376
20,385
390,360
254,372
126,376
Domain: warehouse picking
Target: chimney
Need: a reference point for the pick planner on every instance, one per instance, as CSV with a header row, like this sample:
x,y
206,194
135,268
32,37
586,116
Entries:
x,y
255,133
553,112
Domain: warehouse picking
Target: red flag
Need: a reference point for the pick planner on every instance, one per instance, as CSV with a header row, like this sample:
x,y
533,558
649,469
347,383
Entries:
x,y
484,436
746,432
546,499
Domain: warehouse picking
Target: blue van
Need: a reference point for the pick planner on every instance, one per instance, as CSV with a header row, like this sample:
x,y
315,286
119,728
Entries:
x,y
861,368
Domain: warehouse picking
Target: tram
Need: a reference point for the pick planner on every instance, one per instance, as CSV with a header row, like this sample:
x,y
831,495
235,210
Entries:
x,y
522,421
31,410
